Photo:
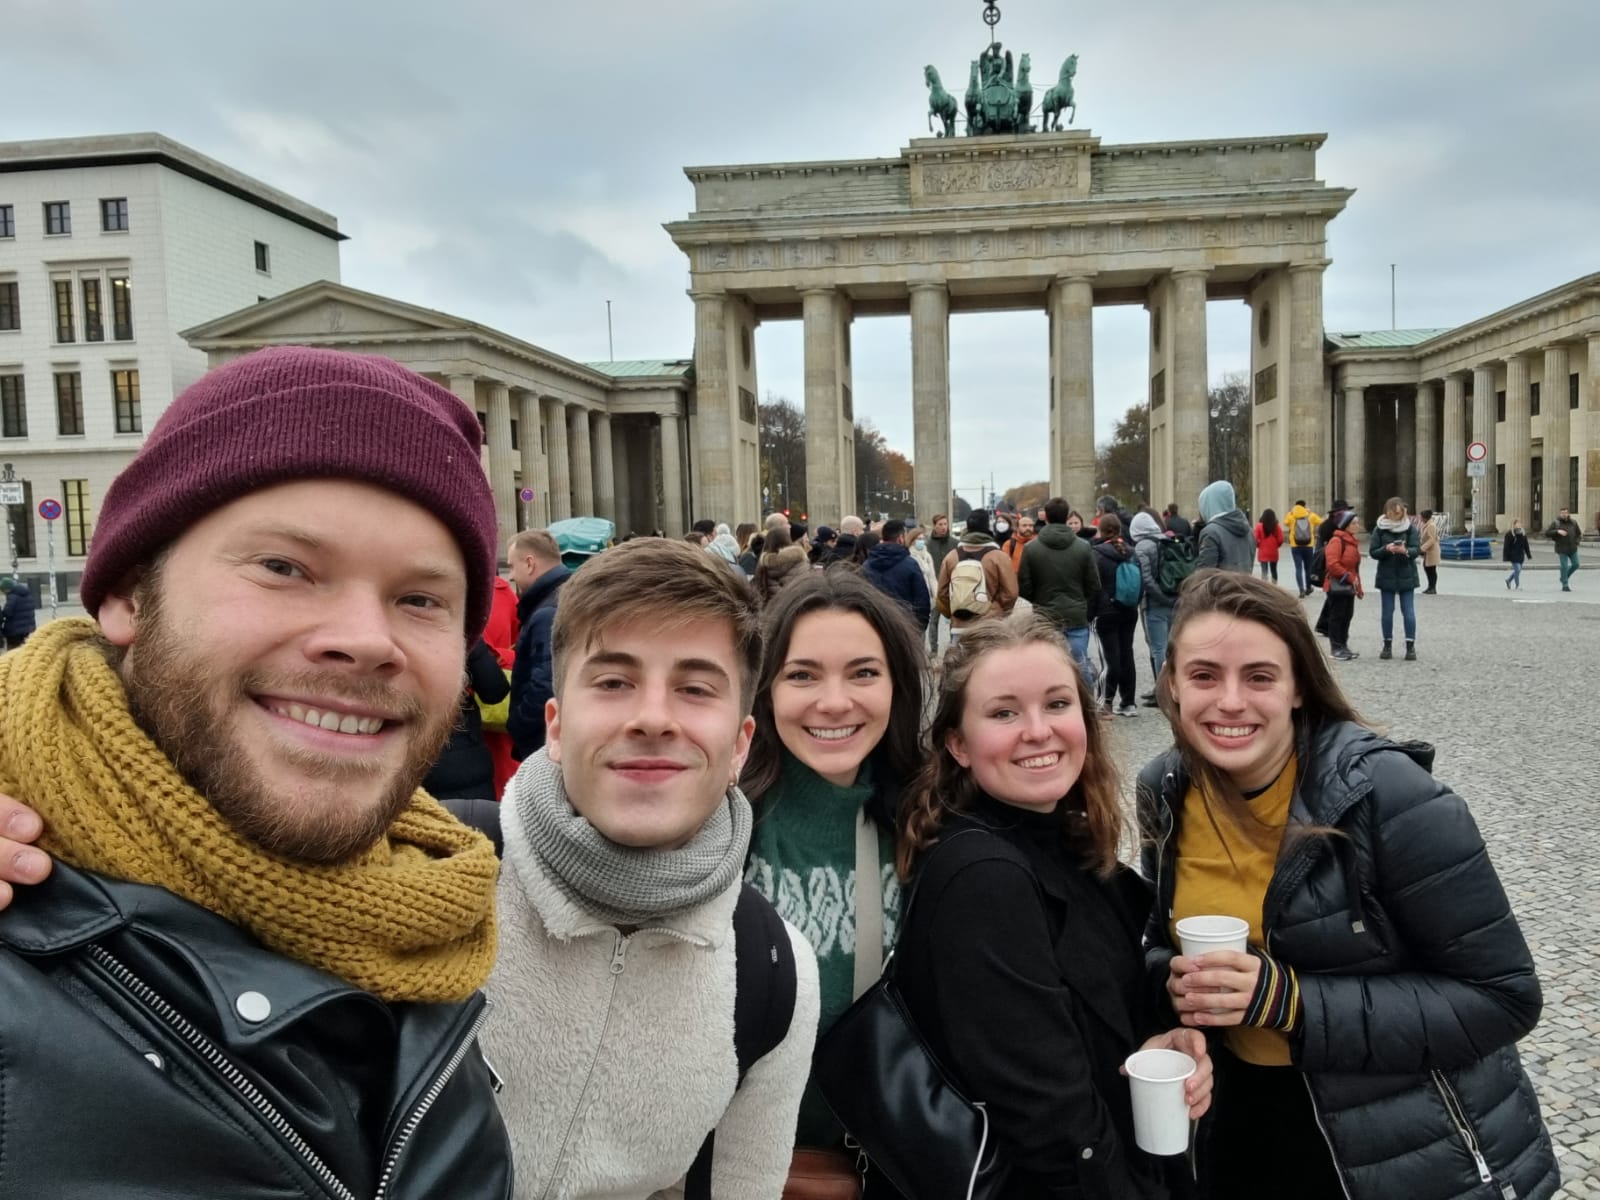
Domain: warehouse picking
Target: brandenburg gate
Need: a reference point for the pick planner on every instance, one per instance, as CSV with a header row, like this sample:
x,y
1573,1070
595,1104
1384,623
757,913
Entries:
x,y
1053,220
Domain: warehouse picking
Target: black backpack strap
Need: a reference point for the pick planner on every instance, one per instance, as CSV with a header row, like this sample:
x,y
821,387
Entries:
x,y
482,815
765,984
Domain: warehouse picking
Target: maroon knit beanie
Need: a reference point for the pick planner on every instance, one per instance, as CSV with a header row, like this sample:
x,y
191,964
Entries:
x,y
292,413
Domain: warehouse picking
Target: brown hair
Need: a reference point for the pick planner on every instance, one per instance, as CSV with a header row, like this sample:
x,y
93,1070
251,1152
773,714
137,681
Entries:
x,y
743,534
536,542
1246,598
666,583
1091,813
899,754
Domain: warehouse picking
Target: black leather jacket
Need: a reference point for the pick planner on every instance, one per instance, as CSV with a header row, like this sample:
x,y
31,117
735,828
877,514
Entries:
x,y
149,1048
1416,980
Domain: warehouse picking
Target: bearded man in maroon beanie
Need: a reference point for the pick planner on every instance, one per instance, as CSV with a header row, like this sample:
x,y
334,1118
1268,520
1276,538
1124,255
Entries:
x,y
255,967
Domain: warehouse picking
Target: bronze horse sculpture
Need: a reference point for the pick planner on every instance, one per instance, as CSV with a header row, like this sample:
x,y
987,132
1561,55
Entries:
x,y
1060,97
941,103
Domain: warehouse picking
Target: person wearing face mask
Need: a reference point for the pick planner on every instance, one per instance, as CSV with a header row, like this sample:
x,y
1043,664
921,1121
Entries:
x,y
838,712
1516,551
1020,962
1366,1044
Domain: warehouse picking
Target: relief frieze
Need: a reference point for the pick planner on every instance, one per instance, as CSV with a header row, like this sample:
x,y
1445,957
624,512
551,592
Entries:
x,y
1003,175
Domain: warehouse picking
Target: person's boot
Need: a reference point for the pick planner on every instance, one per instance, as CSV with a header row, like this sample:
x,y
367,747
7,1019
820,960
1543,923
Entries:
x,y
1411,652
1387,651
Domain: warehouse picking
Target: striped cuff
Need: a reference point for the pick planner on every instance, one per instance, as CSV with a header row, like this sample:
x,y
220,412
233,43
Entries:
x,y
1276,1003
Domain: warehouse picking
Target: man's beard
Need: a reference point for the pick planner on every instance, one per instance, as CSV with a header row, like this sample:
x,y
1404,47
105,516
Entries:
x,y
189,714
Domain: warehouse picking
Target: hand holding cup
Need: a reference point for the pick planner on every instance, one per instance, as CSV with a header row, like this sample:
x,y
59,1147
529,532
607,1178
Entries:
x,y
1213,989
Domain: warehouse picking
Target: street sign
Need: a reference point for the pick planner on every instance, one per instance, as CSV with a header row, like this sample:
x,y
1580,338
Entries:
x,y
526,495
1477,452
12,493
50,509
1477,470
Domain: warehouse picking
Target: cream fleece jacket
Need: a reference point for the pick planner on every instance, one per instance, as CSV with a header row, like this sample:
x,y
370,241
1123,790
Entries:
x,y
617,1050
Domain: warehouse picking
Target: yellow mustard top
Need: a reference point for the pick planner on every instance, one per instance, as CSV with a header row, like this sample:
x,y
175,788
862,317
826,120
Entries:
x,y
1209,882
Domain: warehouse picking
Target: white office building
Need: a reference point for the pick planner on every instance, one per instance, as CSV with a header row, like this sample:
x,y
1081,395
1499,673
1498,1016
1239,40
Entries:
x,y
109,246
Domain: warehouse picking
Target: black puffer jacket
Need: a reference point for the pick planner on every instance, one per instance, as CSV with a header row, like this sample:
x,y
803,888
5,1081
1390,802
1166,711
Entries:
x,y
150,1048
1416,980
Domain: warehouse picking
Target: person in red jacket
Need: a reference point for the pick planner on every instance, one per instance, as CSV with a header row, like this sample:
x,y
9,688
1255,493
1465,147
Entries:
x,y
501,636
1342,582
1269,541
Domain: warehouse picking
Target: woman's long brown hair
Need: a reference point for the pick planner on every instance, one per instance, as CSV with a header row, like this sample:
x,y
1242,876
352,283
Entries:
x,y
1090,812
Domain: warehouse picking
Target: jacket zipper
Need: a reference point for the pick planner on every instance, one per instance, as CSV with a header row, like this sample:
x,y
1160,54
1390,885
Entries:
x,y
429,1098
221,1064
1458,1117
1161,844
1316,1115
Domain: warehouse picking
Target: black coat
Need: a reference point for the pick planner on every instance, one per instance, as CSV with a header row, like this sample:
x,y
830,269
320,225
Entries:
x,y
532,671
464,769
1108,556
18,619
1515,548
891,569
129,1073
1023,973
1416,980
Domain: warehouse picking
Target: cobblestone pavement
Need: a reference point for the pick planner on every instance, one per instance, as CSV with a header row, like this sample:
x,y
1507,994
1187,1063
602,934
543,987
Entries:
x,y
1505,691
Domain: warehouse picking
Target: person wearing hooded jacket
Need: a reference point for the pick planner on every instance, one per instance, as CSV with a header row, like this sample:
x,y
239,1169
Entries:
x,y
891,569
1365,1045
999,578
1225,540
18,621
1158,604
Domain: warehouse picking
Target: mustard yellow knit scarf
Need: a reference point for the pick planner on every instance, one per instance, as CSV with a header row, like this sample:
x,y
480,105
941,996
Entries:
x,y
412,919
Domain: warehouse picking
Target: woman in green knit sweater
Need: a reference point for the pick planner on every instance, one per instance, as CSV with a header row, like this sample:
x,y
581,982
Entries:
x,y
838,712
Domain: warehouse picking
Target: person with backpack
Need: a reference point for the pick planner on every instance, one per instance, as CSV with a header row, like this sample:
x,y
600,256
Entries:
x,y
1059,578
1516,551
838,710
1165,561
1116,614
1224,538
1268,535
976,581
1301,524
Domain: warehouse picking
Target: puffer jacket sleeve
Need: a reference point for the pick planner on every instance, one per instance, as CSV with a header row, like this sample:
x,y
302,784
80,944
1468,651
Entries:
x,y
755,1138
1471,988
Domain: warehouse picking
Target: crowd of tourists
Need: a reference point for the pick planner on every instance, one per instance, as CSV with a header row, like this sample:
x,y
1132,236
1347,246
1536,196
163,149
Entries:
x,y
743,920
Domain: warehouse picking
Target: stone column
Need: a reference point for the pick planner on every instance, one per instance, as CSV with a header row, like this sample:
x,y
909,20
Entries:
x,y
825,488
605,483
1483,425
628,520
1557,433
581,459
1454,463
1307,430
717,406
555,425
534,473
671,476
1517,453
930,398
1072,310
1427,487
1191,412
502,464
1405,453
1591,410
1355,451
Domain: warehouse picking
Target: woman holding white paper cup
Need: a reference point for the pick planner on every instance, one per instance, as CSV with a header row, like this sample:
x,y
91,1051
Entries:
x,y
1020,962
1368,1033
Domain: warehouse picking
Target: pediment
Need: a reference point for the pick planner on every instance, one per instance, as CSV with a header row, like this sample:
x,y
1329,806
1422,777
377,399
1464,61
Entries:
x,y
325,309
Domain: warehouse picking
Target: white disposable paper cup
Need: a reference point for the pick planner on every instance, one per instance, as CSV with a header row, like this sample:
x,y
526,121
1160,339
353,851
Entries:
x,y
1160,1113
1196,935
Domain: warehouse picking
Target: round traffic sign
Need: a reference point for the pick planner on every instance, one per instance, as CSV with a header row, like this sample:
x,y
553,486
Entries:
x,y
49,509
1477,452
527,495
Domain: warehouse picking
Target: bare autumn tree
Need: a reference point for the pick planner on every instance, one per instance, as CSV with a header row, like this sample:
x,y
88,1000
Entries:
x,y
1123,463
1230,434
782,428
884,482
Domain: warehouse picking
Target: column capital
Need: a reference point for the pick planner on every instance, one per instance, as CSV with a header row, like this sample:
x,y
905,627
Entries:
x,y
1311,264
699,294
914,285
828,290
1186,272
1077,277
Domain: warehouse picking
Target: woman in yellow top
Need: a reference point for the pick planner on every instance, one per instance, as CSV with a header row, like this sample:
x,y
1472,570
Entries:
x,y
1365,1043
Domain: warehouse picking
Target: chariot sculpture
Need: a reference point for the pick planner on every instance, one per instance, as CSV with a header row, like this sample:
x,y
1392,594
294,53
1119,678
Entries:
x,y
999,97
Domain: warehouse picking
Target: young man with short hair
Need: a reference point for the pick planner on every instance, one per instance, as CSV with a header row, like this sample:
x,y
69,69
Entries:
x,y
999,578
891,569
940,541
1566,535
537,573
1059,578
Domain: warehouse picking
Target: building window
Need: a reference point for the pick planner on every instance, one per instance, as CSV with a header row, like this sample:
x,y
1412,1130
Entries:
x,y
57,217
13,407
10,310
125,387
121,309
1572,482
63,291
1499,406
1499,493
514,443
69,403
22,523
8,221
1533,399
75,499
94,329
114,215
1572,384
263,258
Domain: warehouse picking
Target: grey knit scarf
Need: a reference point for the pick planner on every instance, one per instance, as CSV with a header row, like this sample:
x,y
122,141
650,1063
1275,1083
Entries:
x,y
625,885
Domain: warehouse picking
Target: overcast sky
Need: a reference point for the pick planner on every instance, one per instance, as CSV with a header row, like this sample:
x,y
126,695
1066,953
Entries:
x,y
513,163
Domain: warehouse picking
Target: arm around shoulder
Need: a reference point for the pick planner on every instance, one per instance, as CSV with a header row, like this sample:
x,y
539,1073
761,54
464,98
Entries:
x,y
755,1138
